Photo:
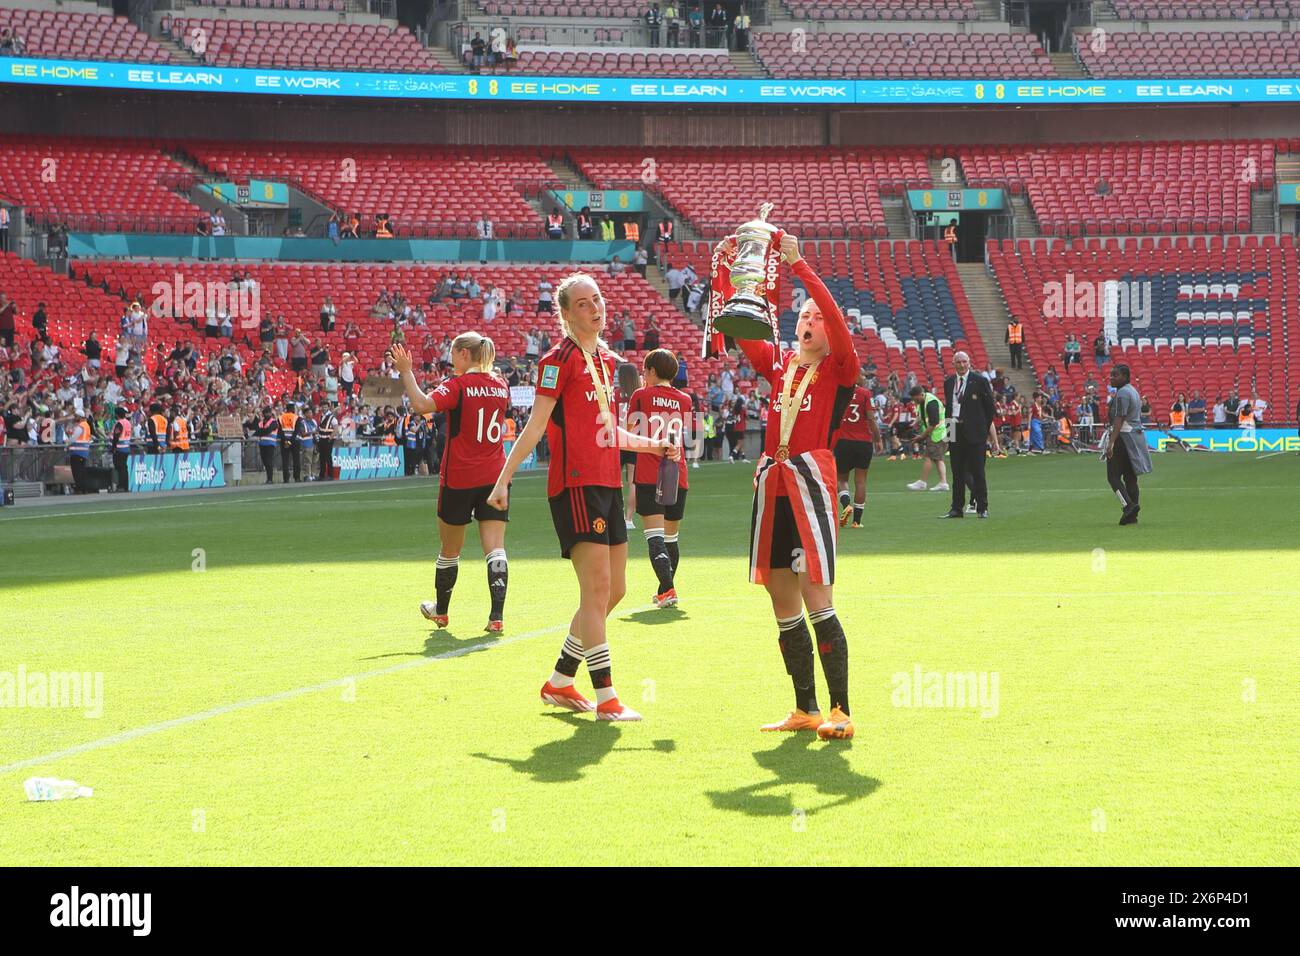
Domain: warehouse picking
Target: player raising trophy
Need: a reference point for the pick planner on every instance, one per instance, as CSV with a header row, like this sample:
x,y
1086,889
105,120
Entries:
x,y
793,524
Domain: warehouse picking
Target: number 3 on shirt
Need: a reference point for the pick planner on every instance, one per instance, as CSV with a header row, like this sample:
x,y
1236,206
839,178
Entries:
x,y
494,427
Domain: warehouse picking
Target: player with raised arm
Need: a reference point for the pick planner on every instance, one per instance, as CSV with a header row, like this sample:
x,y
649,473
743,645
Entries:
x,y
854,444
573,405
793,528
661,412
476,401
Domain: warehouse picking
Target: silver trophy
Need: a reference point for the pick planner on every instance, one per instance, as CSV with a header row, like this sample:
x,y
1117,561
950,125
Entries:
x,y
747,315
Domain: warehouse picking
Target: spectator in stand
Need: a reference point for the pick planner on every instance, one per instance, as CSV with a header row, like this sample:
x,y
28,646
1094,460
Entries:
x,y
1101,349
327,315
640,260
1052,384
320,358
332,228
353,228
1196,411
477,51
281,339
5,217
218,222
532,345
695,24
347,374
429,353
298,350
650,341
628,329
511,56
203,227
695,298
442,291
1072,352
616,266
489,308
544,295
8,317
41,322
483,228
352,338
92,350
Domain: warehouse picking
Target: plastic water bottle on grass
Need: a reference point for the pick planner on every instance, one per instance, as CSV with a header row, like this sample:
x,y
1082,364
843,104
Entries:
x,y
51,788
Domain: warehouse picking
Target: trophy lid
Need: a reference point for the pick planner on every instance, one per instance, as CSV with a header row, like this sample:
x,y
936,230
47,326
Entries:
x,y
760,224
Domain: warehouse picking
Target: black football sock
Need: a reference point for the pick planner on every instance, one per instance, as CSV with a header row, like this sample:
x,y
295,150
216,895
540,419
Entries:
x,y
857,511
660,559
566,667
598,669
796,648
834,651
844,499
444,579
498,572
670,542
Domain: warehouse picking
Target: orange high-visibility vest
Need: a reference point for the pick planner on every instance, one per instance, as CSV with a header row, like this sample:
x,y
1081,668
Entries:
x,y
180,434
288,422
124,439
160,428
1176,419
631,232
510,429
1015,333
1245,415
1064,434
79,444
950,234
382,231
555,221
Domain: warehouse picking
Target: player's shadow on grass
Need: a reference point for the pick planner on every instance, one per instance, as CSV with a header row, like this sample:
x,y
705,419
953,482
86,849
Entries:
x,y
444,642
796,761
657,615
563,761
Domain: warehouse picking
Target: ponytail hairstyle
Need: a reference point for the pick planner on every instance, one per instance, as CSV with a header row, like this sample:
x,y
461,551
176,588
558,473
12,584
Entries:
x,y
629,379
562,294
482,351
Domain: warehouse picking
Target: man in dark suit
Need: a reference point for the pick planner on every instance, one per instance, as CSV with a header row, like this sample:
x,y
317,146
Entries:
x,y
968,398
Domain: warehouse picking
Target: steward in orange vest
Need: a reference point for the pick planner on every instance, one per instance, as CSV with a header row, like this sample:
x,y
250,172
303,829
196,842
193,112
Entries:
x,y
290,447
180,434
157,430
555,225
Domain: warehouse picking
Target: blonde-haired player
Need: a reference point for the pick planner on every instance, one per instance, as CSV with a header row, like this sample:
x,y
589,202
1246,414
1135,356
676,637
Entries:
x,y
583,483
476,401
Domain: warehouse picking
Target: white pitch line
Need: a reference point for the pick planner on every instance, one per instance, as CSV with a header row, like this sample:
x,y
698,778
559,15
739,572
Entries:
x,y
224,709
1272,454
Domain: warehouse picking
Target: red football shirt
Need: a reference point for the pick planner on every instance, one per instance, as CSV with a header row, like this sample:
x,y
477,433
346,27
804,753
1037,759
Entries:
x,y
831,389
582,452
855,425
656,413
476,405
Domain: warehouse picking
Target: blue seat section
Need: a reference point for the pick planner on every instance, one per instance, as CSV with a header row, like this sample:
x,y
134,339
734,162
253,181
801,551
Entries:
x,y
1230,314
928,310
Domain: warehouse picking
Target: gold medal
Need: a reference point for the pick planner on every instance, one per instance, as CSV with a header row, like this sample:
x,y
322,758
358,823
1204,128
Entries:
x,y
790,403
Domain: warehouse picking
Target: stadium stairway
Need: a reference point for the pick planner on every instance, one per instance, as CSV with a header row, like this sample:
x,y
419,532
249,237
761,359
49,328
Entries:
x,y
446,59
991,318
1067,65
1262,212
896,218
1026,222
746,66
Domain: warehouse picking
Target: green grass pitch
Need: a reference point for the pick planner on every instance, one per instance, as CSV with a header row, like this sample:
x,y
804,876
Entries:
x,y
1147,704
